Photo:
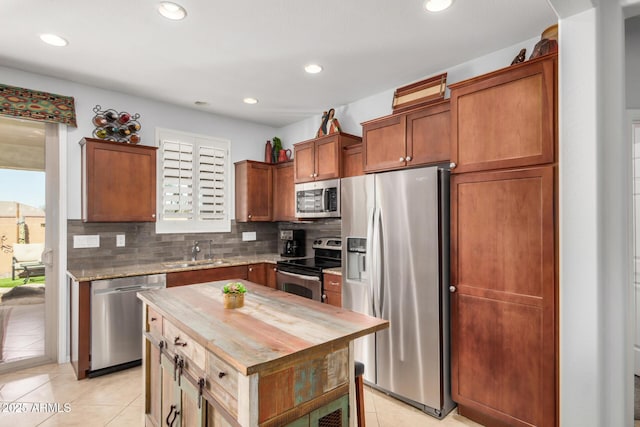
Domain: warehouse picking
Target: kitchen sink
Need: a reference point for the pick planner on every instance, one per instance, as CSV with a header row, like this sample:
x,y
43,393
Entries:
x,y
197,263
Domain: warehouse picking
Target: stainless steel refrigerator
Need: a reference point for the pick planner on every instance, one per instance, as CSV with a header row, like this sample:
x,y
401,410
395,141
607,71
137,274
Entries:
x,y
395,229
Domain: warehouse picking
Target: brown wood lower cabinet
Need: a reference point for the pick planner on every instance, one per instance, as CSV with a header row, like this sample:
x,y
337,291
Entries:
x,y
181,278
503,273
333,289
271,275
257,273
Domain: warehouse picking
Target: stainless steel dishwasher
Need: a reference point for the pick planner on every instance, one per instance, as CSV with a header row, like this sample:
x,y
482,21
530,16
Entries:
x,y
116,321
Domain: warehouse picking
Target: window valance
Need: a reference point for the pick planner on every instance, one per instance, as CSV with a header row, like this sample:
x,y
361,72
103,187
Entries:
x,y
36,105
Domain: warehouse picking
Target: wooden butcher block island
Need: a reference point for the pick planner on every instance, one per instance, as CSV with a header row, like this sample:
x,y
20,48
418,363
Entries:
x,y
281,360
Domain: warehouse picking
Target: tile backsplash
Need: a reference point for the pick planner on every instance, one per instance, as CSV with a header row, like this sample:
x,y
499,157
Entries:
x,y
144,246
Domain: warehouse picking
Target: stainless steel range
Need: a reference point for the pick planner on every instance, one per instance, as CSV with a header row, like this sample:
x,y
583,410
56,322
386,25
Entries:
x,y
304,276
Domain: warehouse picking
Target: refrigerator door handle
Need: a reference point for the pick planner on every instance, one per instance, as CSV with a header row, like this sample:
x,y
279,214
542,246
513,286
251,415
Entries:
x,y
372,259
376,264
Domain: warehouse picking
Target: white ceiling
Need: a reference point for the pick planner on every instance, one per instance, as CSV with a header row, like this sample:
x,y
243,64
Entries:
x,y
227,50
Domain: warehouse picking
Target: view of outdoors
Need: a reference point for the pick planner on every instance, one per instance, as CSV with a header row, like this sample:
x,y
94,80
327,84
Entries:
x,y
22,234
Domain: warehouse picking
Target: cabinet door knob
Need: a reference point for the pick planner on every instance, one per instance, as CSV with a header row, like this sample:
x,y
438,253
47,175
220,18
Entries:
x,y
408,158
401,159
315,175
452,165
250,268
275,269
452,289
153,215
249,216
311,176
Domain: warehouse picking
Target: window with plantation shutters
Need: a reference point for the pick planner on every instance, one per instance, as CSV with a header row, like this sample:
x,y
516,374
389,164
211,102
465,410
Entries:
x,y
193,184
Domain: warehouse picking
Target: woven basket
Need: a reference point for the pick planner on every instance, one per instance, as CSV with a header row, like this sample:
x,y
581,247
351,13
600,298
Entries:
x,y
233,300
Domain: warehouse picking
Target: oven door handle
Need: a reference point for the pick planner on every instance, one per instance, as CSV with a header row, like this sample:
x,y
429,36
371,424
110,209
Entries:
x,y
299,276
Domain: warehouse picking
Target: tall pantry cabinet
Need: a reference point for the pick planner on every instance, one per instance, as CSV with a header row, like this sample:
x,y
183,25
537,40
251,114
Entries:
x,y
504,281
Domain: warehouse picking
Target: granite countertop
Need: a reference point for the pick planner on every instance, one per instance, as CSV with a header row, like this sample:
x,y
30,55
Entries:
x,y
86,275
271,327
336,270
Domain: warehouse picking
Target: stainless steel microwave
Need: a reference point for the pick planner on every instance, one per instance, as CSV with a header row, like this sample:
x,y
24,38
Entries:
x,y
318,199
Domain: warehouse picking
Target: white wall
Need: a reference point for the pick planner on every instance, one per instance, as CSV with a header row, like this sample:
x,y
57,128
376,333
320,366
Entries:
x,y
378,105
632,58
596,381
580,314
247,139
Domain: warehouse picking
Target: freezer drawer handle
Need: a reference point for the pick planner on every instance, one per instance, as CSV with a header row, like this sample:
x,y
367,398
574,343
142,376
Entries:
x,y
452,288
175,414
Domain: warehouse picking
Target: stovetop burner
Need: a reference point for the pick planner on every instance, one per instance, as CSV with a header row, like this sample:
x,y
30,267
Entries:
x,y
328,254
315,263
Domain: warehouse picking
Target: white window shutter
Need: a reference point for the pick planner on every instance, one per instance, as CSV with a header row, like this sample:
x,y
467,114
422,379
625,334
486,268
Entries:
x,y
212,183
193,183
177,181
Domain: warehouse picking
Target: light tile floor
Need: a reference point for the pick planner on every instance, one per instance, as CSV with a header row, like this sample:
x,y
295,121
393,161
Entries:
x,y
25,332
116,400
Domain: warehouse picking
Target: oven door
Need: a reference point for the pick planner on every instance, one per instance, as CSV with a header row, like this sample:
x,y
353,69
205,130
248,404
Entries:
x,y
299,284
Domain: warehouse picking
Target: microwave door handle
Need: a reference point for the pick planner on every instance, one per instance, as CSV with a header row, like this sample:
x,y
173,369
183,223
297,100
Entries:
x,y
325,203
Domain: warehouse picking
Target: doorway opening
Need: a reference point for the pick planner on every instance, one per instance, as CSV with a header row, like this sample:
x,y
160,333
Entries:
x,y
23,278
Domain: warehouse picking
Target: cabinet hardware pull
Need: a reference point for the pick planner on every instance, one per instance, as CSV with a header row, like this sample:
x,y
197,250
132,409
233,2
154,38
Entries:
x,y
153,215
176,341
200,388
175,414
452,288
153,319
180,367
334,283
408,158
249,216
250,269
161,346
175,366
452,165
324,297
311,176
221,374
401,159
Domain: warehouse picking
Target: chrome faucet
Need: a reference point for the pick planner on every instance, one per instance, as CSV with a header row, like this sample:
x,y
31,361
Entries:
x,y
194,250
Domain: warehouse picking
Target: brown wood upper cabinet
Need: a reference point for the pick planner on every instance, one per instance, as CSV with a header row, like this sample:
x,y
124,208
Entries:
x,y
320,158
352,164
254,191
413,138
506,118
118,182
284,208
504,225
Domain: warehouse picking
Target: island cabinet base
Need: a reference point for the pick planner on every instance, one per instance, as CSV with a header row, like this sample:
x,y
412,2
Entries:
x,y
280,360
185,385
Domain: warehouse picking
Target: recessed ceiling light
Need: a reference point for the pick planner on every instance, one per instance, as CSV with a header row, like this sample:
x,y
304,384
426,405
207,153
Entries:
x,y
172,11
437,5
313,68
250,101
53,40
201,103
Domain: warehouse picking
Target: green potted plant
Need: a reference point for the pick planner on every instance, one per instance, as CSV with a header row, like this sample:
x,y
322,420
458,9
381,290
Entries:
x,y
277,146
234,294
